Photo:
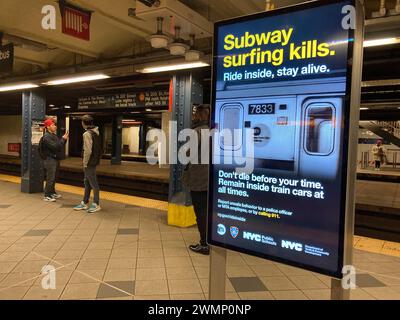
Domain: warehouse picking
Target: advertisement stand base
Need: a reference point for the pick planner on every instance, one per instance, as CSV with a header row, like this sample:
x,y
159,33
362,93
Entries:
x,y
337,291
217,273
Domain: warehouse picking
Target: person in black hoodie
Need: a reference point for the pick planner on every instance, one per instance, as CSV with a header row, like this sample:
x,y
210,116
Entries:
x,y
52,149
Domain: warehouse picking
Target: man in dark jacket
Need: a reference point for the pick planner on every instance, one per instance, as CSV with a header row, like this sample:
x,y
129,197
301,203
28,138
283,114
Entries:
x,y
52,149
197,181
91,159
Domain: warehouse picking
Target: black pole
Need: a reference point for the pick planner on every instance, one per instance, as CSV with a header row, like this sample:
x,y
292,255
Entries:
x,y
116,153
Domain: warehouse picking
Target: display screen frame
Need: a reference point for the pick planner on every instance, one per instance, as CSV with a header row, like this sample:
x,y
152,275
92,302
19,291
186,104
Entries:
x,y
343,220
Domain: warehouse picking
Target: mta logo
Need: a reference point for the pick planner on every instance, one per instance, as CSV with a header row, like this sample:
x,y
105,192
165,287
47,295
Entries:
x,y
221,229
234,232
292,245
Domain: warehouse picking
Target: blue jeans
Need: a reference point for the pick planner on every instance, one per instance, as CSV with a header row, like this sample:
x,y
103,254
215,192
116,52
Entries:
x,y
91,183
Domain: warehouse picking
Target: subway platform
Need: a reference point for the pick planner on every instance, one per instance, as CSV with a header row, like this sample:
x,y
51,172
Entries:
x,y
134,178
127,251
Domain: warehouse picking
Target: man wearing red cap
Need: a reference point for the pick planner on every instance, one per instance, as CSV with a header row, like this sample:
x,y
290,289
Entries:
x,y
52,152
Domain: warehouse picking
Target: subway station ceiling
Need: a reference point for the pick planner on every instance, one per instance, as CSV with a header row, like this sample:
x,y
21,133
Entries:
x,y
120,31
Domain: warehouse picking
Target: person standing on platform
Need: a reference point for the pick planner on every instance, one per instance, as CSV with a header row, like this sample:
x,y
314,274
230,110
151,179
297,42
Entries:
x,y
379,154
51,151
196,180
91,159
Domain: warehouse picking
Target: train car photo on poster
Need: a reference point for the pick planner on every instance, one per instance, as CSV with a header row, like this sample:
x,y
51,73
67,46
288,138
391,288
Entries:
x,y
281,102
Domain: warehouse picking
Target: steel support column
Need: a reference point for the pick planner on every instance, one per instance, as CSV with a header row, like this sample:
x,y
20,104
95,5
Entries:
x,y
142,140
116,140
33,112
188,91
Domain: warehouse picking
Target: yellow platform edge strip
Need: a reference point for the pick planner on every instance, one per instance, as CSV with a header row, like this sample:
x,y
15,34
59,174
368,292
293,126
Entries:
x,y
105,195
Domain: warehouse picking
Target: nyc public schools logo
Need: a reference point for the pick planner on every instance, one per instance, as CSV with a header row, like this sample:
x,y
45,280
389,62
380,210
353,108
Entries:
x,y
221,229
292,245
259,238
234,232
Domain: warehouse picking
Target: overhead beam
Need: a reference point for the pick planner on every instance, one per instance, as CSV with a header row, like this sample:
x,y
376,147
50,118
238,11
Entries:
x,y
49,42
382,24
246,7
41,64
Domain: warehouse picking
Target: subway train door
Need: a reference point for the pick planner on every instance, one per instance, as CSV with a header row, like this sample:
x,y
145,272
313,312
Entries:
x,y
320,145
231,140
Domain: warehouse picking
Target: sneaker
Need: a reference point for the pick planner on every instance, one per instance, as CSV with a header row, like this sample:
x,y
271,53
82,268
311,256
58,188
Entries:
x,y
93,208
49,199
81,206
198,248
56,196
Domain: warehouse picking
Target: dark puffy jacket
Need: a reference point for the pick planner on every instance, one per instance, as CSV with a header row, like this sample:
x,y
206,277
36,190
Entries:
x,y
53,146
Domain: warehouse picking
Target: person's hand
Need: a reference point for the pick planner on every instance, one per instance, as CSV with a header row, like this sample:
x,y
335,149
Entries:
x,y
66,136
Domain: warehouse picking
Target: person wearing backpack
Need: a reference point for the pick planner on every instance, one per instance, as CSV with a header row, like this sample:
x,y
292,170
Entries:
x,y
91,159
51,150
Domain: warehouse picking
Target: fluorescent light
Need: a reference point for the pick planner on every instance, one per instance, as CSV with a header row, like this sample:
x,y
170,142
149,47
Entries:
x,y
21,86
364,108
51,105
76,79
171,67
149,110
67,107
380,42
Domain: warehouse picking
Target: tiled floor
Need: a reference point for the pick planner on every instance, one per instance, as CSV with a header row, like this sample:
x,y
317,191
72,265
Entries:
x,y
127,251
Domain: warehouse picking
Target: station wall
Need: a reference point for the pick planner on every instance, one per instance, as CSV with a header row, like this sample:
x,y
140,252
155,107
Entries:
x,y
130,138
10,132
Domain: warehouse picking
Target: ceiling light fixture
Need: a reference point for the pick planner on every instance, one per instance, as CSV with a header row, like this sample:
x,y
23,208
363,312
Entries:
x,y
364,108
178,47
193,54
380,42
159,40
176,66
15,87
67,107
76,79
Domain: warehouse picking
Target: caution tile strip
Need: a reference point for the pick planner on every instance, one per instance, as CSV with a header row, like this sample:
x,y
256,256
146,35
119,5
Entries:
x,y
105,195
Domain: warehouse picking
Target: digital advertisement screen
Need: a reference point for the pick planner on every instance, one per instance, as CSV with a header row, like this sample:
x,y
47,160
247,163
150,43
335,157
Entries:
x,y
281,104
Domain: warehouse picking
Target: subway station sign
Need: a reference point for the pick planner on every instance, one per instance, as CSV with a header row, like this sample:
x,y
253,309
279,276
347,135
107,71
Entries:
x,y
148,99
281,107
75,21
